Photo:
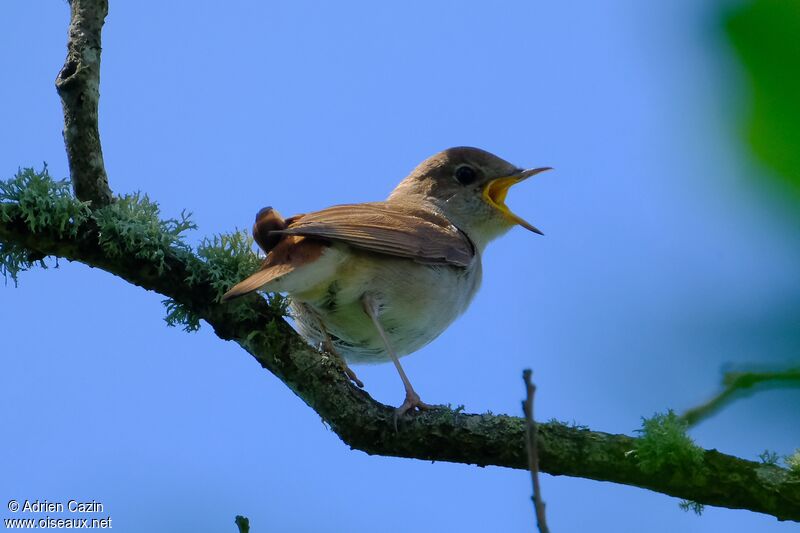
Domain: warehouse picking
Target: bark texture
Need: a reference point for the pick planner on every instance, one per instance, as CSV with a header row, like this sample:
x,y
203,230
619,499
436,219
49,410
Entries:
x,y
78,85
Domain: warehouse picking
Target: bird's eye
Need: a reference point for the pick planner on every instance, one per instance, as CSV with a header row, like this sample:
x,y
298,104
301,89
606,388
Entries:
x,y
466,175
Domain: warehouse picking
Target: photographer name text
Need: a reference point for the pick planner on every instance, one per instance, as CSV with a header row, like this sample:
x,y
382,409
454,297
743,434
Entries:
x,y
72,506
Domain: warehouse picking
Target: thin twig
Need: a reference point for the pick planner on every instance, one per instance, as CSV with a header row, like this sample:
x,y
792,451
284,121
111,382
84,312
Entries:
x,y
531,434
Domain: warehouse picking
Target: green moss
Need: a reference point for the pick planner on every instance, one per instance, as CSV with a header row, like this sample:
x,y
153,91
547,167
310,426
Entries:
x,y
269,338
132,226
664,443
15,259
44,204
223,259
227,259
769,457
793,462
689,505
180,315
572,425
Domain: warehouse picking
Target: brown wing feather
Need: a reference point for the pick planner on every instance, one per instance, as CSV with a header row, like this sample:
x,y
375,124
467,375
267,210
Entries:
x,y
392,229
389,228
290,253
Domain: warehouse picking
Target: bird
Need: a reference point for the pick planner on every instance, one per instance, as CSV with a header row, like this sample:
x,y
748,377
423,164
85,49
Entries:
x,y
372,282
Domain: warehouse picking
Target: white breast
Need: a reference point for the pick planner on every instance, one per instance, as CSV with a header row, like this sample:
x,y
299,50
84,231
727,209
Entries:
x,y
417,303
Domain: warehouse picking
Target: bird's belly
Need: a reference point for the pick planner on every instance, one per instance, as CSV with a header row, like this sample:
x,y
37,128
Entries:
x,y
416,303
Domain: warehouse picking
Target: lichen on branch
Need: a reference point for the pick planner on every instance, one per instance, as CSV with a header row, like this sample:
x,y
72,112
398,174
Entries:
x,y
41,202
664,443
130,228
228,258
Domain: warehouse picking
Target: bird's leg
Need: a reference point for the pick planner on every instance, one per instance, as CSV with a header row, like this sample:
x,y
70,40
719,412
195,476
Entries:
x,y
327,344
412,398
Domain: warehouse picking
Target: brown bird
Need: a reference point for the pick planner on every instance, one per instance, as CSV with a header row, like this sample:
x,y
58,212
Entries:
x,y
376,281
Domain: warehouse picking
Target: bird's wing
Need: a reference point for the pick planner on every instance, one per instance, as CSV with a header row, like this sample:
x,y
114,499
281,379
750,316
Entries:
x,y
391,229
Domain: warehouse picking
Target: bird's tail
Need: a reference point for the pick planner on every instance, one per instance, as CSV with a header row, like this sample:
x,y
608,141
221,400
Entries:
x,y
267,221
280,259
250,284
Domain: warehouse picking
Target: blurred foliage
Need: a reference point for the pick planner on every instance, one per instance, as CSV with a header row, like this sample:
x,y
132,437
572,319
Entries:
x,y
766,37
742,384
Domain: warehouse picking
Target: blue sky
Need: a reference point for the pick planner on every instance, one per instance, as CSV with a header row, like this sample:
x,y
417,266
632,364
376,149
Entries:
x,y
663,262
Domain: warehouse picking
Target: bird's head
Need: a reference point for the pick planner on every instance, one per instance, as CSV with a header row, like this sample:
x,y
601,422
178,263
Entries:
x,y
469,187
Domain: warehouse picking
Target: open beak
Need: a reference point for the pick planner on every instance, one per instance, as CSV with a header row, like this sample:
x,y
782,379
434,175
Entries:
x,y
496,190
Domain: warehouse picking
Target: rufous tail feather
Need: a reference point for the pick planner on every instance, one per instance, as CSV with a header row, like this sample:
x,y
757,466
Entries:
x,y
255,281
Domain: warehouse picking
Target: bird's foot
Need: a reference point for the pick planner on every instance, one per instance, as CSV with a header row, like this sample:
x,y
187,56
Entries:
x,y
352,375
412,402
327,346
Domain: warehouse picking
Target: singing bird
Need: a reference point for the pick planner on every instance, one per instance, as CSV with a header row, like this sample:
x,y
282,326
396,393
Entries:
x,y
375,281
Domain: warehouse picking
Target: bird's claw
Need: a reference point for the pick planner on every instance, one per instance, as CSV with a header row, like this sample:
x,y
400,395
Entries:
x,y
352,375
411,403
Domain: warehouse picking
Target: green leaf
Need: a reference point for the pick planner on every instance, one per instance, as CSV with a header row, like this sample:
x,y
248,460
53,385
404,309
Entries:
x,y
764,34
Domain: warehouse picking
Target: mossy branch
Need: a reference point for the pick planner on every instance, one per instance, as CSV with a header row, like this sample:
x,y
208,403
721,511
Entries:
x,y
39,217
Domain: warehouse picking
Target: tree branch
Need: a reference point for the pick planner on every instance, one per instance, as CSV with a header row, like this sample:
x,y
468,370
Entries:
x,y
78,84
364,424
